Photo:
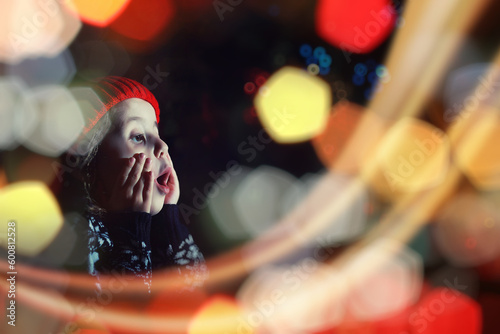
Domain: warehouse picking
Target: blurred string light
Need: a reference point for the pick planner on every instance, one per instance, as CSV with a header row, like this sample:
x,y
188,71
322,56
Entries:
x,y
468,229
293,105
357,26
370,74
476,151
99,13
345,227
30,28
36,213
144,21
317,60
309,296
57,70
413,156
17,113
257,199
59,120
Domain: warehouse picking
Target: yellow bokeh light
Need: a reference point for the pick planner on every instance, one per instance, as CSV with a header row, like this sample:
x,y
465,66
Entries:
x,y
99,12
413,156
293,105
220,314
35,212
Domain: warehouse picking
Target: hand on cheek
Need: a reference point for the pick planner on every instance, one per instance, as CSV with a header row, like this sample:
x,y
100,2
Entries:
x,y
174,190
133,189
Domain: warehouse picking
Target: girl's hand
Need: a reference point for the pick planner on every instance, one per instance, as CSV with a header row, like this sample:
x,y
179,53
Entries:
x,y
173,185
133,189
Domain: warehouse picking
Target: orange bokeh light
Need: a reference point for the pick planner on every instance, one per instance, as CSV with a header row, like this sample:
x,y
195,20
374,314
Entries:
x,y
98,12
144,22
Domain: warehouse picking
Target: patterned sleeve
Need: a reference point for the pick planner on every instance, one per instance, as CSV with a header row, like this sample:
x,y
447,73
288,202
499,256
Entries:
x,y
173,245
120,243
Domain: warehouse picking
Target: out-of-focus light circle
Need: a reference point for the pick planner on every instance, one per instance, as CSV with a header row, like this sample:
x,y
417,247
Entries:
x,y
413,156
394,285
313,69
100,58
293,105
341,124
222,207
30,28
219,314
298,298
445,310
144,21
18,117
35,212
356,26
258,197
348,225
61,121
99,13
59,69
467,230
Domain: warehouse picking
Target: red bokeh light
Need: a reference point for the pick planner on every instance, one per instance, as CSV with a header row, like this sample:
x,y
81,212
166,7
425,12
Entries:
x,y
356,26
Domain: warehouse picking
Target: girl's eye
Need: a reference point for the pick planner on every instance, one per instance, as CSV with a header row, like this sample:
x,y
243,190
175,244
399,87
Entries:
x,y
139,139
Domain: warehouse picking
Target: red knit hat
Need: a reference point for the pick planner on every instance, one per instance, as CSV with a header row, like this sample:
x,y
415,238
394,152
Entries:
x,y
112,90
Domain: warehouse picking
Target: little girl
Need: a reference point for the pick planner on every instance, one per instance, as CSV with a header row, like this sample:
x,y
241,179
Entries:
x,y
132,188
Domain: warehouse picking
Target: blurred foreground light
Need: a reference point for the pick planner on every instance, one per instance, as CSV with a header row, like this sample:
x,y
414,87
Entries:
x,y
258,198
222,206
15,113
445,310
347,225
357,26
300,298
413,156
30,28
341,124
35,212
98,12
468,229
144,20
100,58
293,105
55,70
393,285
219,314
60,121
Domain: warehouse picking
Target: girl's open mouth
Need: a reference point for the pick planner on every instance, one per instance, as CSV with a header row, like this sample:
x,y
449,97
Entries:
x,y
162,180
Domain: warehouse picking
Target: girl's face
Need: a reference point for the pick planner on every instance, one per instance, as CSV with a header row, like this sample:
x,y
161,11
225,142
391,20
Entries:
x,y
134,131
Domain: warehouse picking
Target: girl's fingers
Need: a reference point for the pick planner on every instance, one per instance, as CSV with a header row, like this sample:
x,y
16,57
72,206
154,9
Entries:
x,y
126,170
147,192
135,173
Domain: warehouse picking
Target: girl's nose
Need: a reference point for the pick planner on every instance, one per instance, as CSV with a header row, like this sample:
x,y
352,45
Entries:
x,y
161,149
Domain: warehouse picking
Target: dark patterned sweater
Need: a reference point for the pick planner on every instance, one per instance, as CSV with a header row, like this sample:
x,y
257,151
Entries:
x,y
139,243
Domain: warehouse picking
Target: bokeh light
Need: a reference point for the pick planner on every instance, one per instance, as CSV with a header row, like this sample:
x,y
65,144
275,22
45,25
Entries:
x,y
35,212
222,207
293,105
341,124
142,21
257,199
467,230
57,70
413,156
393,286
355,26
347,226
15,113
59,120
220,314
30,28
98,12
